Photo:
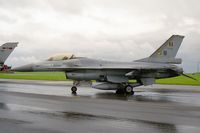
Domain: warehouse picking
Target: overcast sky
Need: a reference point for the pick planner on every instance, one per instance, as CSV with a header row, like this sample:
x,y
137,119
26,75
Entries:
x,y
122,30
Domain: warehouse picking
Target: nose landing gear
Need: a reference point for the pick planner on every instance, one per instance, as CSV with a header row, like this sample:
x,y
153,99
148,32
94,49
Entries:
x,y
74,89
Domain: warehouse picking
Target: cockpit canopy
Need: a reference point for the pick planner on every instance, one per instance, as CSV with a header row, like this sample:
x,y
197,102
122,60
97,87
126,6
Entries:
x,y
62,56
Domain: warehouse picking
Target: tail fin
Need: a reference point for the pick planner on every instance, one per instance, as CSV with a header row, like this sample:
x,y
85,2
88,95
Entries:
x,y
167,52
5,50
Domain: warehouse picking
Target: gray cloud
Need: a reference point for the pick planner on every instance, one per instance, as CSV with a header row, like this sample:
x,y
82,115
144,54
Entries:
x,y
114,29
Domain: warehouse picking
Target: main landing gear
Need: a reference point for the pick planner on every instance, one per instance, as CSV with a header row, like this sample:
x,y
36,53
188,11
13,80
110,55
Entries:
x,y
128,89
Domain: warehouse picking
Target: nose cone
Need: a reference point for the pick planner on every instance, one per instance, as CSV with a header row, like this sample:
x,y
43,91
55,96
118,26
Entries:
x,y
25,68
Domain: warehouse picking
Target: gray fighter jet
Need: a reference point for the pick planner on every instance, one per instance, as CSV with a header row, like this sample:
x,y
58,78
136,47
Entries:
x,y
114,75
5,50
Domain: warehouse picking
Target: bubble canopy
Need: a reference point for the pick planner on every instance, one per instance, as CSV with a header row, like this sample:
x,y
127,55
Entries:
x,y
61,56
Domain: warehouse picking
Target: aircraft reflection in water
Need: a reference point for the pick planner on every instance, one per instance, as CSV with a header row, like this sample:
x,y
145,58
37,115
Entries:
x,y
116,75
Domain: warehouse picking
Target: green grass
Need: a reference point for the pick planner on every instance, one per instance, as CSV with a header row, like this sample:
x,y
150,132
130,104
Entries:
x,y
181,80
60,76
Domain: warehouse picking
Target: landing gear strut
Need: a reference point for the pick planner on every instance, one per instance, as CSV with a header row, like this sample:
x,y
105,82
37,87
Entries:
x,y
74,87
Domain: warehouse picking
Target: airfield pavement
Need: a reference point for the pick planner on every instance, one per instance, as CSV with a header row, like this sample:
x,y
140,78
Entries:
x,y
28,106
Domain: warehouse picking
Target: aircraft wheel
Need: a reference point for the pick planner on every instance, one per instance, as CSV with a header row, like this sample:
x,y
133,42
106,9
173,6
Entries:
x,y
129,89
74,89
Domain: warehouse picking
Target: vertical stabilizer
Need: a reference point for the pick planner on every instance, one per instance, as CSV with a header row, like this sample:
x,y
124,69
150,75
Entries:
x,y
170,48
5,50
167,52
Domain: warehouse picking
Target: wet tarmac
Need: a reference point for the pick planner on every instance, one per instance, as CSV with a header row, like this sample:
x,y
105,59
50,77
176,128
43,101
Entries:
x,y
49,106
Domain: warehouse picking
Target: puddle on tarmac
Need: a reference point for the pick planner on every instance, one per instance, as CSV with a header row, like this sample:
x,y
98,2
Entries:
x,y
130,124
103,120
168,94
16,107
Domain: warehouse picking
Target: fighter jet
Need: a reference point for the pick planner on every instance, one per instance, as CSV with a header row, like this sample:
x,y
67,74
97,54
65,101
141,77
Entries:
x,y
5,50
114,75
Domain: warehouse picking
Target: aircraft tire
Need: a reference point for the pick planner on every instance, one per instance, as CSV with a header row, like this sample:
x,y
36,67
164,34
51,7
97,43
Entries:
x,y
129,90
74,89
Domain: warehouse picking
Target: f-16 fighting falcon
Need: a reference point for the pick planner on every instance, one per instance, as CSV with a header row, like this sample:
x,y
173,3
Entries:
x,y
114,75
5,50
